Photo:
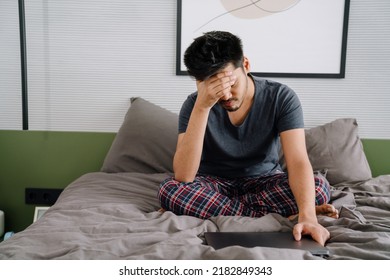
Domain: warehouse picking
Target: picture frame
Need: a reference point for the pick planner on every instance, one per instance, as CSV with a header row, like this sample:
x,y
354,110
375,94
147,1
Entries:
x,y
39,211
281,38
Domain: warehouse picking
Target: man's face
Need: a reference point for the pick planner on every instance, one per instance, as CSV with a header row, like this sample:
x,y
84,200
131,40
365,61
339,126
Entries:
x,y
233,101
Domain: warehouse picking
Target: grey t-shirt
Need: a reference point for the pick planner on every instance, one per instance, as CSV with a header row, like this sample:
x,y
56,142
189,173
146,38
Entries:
x,y
252,148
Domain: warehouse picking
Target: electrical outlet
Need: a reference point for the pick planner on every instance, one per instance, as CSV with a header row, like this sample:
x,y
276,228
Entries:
x,y
41,196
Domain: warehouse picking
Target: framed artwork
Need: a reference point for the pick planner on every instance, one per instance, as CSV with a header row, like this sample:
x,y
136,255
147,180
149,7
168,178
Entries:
x,y
39,211
281,38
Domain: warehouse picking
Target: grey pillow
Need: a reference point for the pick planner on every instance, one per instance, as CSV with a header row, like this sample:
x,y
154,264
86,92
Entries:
x,y
337,148
145,142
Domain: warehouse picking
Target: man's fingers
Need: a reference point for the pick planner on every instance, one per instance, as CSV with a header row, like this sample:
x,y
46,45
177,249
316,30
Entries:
x,y
297,232
319,238
223,74
319,234
216,88
223,88
224,82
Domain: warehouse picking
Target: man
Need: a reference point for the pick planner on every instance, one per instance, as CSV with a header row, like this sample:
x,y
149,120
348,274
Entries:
x,y
227,156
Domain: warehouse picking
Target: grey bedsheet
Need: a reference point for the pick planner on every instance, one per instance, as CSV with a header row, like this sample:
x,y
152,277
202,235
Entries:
x,y
114,216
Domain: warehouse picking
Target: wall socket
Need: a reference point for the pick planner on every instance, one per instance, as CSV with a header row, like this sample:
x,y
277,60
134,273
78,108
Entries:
x,y
41,196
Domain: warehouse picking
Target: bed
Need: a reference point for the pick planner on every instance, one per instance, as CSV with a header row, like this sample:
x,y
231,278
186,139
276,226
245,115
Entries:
x,y
114,213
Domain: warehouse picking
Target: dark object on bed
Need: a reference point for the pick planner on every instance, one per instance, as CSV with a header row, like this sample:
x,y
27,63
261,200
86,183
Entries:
x,y
219,240
113,214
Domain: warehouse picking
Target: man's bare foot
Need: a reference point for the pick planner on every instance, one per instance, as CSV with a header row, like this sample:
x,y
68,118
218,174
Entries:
x,y
322,210
327,210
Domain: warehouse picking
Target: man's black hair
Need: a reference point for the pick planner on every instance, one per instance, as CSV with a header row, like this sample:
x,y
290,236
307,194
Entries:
x,y
212,52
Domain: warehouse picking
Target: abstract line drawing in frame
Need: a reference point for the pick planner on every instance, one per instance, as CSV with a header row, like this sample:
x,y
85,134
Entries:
x,y
281,38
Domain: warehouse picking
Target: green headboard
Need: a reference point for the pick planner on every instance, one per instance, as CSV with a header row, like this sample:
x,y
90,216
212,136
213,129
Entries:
x,y
47,159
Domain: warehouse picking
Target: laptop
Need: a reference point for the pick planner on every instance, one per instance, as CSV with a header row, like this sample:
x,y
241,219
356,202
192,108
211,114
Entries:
x,y
219,240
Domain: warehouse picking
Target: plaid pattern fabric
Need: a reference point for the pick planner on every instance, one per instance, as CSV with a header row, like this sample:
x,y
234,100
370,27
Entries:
x,y
209,196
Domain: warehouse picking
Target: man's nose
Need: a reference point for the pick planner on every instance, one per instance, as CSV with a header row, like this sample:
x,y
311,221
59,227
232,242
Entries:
x,y
226,96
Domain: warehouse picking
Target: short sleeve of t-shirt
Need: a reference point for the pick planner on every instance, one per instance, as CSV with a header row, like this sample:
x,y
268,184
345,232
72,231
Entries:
x,y
289,113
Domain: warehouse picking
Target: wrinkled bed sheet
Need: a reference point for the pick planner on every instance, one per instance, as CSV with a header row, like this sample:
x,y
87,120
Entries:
x,y
115,216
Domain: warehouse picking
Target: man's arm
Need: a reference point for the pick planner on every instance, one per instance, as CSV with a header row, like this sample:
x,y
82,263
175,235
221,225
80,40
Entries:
x,y
301,180
190,144
189,147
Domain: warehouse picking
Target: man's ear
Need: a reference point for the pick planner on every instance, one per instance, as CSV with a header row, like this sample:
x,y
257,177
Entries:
x,y
246,65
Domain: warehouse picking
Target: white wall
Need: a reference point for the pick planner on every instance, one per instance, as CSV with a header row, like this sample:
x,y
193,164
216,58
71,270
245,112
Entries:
x,y
87,58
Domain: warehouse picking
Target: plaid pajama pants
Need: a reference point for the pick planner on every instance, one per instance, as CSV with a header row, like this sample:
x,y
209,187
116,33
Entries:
x,y
209,196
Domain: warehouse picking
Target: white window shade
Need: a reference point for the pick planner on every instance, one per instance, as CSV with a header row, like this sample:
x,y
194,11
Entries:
x,y
87,58
10,83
